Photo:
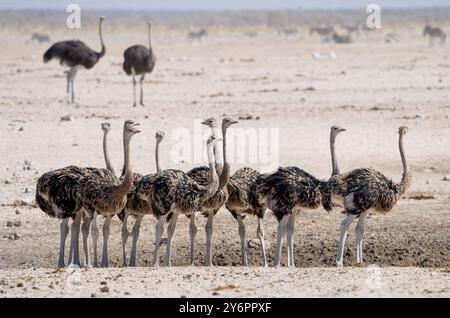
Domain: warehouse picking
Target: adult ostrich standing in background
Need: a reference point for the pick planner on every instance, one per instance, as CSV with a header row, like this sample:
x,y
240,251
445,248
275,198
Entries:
x,y
75,54
138,61
364,189
173,192
211,206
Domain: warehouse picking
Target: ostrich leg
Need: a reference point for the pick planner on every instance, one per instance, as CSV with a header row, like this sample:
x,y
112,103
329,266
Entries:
x,y
75,258
142,90
192,233
68,87
170,232
64,229
260,234
135,233
134,89
209,232
290,243
242,236
73,72
85,231
94,231
159,231
344,230
106,227
125,235
281,230
359,234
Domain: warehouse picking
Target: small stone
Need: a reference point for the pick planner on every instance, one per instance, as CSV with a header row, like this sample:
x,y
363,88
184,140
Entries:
x,y
20,285
7,182
27,201
28,163
215,294
17,212
13,236
9,223
93,295
447,178
67,118
17,223
126,293
104,289
21,129
103,283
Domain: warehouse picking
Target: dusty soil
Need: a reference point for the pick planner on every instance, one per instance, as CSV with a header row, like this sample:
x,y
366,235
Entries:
x,y
371,88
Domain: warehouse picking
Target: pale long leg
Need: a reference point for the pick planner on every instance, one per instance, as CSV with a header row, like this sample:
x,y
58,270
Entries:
x,y
85,231
125,235
94,233
134,89
142,90
74,74
281,231
159,231
192,234
68,78
135,234
260,234
170,232
75,234
290,242
106,227
64,230
359,235
344,230
242,236
209,232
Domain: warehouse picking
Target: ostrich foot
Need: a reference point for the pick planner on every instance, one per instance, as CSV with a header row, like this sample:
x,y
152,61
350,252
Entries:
x,y
360,265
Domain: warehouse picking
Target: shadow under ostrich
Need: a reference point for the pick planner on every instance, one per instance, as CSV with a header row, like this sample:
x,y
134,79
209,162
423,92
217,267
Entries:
x,y
139,60
75,54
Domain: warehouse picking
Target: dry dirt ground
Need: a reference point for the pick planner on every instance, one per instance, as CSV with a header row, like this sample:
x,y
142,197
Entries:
x,y
370,88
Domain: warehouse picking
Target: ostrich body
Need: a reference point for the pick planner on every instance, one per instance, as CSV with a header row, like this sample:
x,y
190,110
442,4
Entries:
x,y
197,35
75,54
174,192
241,202
139,60
105,196
363,190
325,32
212,205
285,192
434,33
138,208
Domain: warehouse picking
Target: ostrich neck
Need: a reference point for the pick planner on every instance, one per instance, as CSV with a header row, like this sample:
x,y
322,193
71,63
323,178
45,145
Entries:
x,y
100,32
125,186
158,164
334,162
149,38
106,154
406,177
213,183
225,174
217,151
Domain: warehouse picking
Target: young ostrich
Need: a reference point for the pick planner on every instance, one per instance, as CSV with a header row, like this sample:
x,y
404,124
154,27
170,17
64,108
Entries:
x,y
364,189
138,208
75,54
212,205
174,192
139,60
241,202
56,195
105,196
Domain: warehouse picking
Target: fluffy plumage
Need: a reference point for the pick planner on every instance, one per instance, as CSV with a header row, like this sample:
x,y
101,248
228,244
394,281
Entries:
x,y
139,58
73,53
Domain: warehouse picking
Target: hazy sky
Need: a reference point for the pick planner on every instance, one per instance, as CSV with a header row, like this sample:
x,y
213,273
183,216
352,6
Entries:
x,y
217,4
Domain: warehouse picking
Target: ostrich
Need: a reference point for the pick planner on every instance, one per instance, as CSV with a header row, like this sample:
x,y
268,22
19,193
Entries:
x,y
433,33
241,202
138,208
174,192
325,32
285,192
108,197
75,54
211,206
139,60
364,189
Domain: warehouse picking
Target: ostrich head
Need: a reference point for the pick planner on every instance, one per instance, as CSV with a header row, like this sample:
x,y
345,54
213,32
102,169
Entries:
x,y
227,122
130,129
402,130
159,136
335,130
106,127
210,122
102,18
149,22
